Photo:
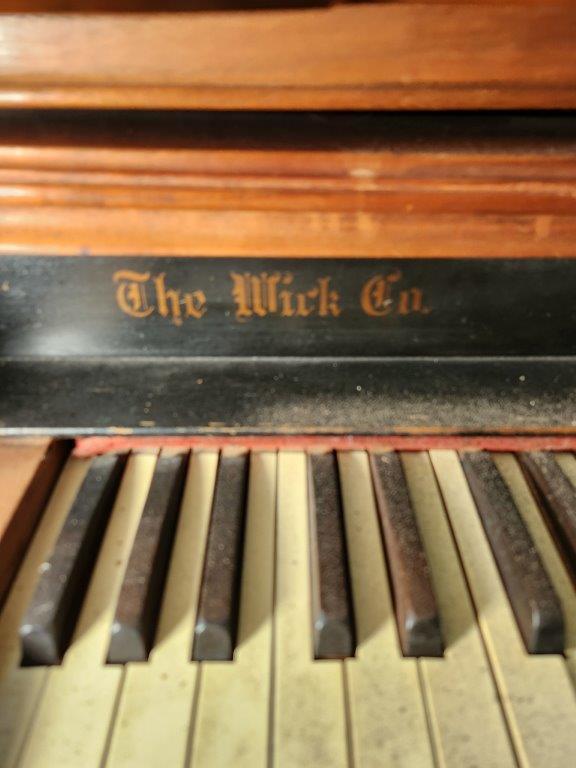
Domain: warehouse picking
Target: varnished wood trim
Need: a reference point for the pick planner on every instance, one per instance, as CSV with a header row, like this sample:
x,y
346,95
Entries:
x,y
130,232
346,57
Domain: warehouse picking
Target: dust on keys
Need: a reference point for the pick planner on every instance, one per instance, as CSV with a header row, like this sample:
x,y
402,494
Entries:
x,y
221,608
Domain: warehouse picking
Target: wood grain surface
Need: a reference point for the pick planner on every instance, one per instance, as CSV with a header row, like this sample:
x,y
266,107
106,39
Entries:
x,y
217,184
365,56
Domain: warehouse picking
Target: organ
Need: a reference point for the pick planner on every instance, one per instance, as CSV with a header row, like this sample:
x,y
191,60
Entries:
x,y
287,384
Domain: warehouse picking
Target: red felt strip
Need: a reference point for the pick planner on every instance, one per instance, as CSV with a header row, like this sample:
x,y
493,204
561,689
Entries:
x,y
93,446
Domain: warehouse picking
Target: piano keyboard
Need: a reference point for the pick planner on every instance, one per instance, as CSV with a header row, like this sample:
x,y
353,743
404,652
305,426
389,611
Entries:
x,y
290,609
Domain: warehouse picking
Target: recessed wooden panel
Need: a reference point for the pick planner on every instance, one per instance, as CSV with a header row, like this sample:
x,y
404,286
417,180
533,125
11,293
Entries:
x,y
270,184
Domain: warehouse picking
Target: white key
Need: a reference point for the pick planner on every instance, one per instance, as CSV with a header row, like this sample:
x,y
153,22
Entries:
x,y
233,711
154,718
309,704
387,712
536,691
467,721
73,720
20,688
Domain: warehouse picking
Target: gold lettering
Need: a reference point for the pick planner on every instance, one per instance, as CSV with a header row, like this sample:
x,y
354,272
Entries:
x,y
271,294
302,309
131,294
412,301
132,297
195,304
168,300
380,298
240,294
272,282
376,298
286,304
328,302
258,294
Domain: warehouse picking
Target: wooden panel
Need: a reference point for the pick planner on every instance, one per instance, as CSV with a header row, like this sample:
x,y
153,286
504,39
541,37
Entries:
x,y
384,162
126,396
67,231
28,469
350,57
211,184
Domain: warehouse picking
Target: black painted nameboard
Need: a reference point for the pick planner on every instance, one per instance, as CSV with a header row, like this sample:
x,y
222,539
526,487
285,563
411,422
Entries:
x,y
140,306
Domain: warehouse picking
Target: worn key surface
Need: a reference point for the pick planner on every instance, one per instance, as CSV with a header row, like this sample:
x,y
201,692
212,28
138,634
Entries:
x,y
51,615
558,497
138,605
416,609
535,604
331,604
215,631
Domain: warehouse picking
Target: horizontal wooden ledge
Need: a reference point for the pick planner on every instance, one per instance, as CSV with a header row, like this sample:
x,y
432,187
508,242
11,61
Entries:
x,y
553,161
364,57
380,97
126,232
431,198
122,397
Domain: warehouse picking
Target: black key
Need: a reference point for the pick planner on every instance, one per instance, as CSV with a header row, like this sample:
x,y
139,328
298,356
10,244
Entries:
x,y
557,497
138,605
216,622
414,600
532,597
51,616
332,617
